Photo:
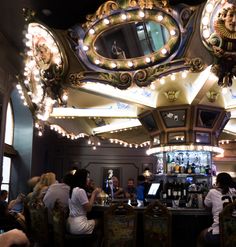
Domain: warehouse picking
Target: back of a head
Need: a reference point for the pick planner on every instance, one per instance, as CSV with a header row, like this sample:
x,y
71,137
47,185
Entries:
x,y
80,178
68,179
224,181
3,195
141,178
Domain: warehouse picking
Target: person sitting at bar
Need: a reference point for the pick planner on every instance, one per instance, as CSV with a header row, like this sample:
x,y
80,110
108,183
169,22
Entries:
x,y
130,190
218,197
142,190
58,191
17,205
40,189
79,205
7,220
3,197
90,187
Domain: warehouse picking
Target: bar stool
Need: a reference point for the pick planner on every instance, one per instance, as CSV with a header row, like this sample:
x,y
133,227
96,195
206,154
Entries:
x,y
61,237
157,225
120,226
228,225
38,228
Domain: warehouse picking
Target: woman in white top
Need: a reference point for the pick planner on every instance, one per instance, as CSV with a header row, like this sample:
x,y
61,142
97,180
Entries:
x,y
79,205
216,199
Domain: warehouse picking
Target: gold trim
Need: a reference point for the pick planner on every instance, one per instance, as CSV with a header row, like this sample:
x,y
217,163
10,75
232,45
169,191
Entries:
x,y
138,62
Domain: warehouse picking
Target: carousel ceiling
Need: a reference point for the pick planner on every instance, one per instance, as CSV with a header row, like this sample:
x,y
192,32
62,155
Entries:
x,y
96,69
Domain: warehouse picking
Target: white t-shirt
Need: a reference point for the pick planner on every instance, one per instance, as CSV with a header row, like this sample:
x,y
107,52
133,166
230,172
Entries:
x,y
76,202
77,222
57,191
215,199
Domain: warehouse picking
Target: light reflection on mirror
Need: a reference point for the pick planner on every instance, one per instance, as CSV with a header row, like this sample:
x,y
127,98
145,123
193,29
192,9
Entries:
x,y
156,140
132,40
202,137
176,137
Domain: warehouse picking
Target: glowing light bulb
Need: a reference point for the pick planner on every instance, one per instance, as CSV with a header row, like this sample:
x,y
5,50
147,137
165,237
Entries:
x,y
141,14
130,64
159,17
172,32
91,31
106,21
85,48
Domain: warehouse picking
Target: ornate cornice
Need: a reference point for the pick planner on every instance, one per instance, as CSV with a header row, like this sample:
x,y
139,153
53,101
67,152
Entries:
x,y
108,7
142,77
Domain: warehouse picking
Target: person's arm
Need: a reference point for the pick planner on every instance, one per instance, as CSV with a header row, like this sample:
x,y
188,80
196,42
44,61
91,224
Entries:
x,y
119,193
208,200
88,206
12,204
13,237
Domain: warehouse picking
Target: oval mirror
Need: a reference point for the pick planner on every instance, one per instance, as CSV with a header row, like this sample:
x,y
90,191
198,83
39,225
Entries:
x,y
131,40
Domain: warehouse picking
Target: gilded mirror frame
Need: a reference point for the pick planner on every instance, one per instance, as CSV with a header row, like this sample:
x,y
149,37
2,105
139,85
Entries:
x,y
112,14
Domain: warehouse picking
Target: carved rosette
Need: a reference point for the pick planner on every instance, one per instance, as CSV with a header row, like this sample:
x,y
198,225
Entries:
x,y
196,64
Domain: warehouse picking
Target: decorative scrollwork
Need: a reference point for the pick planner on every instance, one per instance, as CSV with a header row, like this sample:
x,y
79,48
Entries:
x,y
148,4
125,80
119,80
140,78
104,10
185,15
196,64
76,78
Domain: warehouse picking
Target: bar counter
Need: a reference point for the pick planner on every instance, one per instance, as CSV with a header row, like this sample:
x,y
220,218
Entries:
x,y
187,223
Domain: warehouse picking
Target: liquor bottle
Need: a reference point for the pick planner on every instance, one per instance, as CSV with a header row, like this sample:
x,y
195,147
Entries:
x,y
193,166
179,191
184,191
197,169
175,191
189,168
169,190
202,169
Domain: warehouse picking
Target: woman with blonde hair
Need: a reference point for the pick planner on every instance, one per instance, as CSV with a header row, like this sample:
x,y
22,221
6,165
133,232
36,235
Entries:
x,y
40,189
